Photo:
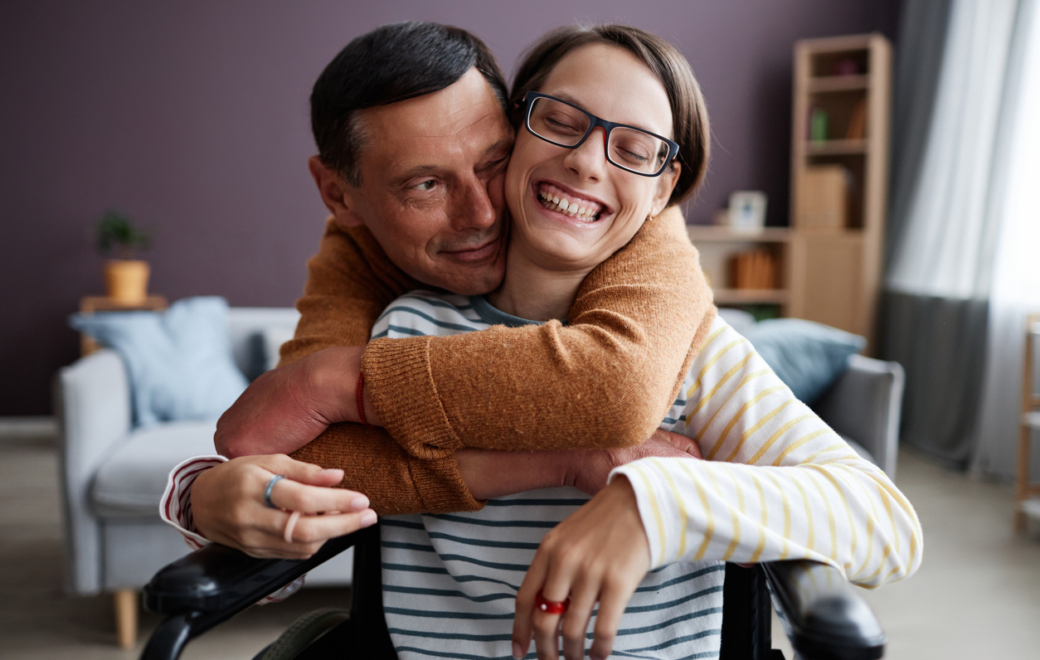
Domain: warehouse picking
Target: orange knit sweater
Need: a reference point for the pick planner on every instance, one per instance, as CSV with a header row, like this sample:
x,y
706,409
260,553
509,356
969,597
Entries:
x,y
605,380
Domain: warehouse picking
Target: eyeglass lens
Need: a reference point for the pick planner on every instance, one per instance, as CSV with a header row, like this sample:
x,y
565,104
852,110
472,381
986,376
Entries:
x,y
629,148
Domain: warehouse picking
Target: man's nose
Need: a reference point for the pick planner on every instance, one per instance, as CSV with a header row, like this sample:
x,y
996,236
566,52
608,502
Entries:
x,y
589,159
474,209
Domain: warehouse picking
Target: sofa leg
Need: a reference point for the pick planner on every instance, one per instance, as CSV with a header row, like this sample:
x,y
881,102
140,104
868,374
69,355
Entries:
x,y
126,617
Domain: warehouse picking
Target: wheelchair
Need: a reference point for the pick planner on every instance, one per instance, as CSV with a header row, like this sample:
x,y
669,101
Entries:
x,y
824,617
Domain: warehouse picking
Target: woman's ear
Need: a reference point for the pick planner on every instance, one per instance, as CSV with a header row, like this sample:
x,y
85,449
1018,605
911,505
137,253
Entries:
x,y
335,192
665,185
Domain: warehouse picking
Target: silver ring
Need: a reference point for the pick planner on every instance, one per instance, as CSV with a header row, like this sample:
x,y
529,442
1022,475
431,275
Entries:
x,y
270,486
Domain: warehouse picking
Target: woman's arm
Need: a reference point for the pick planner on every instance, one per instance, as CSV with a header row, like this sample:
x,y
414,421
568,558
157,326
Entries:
x,y
778,484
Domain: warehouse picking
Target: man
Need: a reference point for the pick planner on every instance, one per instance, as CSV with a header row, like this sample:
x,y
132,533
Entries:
x,y
413,141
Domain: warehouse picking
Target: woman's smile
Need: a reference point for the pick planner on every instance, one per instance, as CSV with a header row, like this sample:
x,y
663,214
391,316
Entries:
x,y
557,200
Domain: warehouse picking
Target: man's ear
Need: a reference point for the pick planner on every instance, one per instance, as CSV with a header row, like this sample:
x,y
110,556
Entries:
x,y
336,193
665,185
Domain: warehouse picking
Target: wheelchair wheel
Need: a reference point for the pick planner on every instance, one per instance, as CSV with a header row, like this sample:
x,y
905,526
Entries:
x,y
303,632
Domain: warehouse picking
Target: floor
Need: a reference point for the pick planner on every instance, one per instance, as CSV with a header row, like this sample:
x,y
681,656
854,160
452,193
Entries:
x,y
977,594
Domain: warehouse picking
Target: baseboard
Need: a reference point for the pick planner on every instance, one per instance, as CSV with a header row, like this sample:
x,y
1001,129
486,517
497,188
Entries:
x,y
28,428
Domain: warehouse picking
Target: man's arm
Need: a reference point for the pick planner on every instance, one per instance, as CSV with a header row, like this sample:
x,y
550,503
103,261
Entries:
x,y
604,380
635,319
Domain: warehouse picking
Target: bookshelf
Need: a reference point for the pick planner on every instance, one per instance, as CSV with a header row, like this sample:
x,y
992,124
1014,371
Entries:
x,y
839,172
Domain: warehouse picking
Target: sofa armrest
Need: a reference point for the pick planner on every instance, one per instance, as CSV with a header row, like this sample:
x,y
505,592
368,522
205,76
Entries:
x,y
92,403
823,615
865,404
209,586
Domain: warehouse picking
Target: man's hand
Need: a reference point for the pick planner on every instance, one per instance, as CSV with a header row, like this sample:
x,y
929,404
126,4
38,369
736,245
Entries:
x,y
227,503
589,473
286,408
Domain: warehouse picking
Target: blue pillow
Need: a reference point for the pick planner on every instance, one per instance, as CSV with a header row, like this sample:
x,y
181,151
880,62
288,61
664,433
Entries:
x,y
806,356
179,361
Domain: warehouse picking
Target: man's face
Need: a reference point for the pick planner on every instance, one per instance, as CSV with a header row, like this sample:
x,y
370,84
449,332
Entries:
x,y
432,171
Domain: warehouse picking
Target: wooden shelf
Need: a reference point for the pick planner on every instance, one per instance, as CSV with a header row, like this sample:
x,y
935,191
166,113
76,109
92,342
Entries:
x,y
839,83
751,296
836,147
715,234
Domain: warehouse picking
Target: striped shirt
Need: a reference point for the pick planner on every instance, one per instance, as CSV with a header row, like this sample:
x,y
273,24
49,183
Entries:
x,y
777,483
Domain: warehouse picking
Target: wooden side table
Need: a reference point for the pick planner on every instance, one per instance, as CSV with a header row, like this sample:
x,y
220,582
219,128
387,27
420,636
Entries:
x,y
91,304
1027,494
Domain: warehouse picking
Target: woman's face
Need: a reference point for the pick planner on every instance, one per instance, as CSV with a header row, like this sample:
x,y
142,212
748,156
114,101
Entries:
x,y
612,204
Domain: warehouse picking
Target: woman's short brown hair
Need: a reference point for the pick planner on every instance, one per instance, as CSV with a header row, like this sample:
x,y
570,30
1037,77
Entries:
x,y
689,113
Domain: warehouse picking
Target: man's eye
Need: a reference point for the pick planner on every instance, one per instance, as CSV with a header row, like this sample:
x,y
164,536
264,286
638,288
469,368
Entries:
x,y
425,186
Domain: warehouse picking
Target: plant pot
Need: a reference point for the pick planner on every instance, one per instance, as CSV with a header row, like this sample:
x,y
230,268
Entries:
x,y
126,281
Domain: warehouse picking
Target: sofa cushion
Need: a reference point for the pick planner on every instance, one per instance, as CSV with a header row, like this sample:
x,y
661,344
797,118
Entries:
x,y
131,481
180,361
806,356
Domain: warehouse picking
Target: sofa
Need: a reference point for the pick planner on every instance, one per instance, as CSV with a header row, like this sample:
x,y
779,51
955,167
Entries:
x,y
113,475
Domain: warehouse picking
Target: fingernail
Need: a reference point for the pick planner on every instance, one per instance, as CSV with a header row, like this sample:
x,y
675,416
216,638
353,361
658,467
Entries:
x,y
359,503
518,652
368,519
330,471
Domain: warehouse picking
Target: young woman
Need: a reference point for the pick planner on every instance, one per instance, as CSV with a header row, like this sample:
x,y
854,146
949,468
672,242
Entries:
x,y
611,130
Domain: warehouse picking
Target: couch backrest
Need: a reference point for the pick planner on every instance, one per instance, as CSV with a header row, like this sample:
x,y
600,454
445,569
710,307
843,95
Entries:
x,y
254,333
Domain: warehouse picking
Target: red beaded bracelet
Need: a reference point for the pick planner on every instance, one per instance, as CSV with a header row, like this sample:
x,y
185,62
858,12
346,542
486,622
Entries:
x,y
361,398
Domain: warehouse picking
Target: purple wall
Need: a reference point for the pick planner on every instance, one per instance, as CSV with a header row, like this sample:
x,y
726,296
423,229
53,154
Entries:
x,y
191,117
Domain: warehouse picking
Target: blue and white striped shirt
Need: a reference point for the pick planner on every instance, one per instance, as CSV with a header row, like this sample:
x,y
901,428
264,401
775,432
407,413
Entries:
x,y
777,484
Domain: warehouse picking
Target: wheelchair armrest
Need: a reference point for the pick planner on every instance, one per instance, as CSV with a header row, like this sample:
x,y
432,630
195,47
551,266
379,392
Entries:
x,y
825,617
209,586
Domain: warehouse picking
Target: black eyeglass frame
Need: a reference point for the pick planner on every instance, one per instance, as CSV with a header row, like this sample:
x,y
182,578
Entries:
x,y
594,121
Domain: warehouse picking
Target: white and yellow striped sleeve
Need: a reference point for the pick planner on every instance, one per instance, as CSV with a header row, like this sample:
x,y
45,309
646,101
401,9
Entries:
x,y
776,483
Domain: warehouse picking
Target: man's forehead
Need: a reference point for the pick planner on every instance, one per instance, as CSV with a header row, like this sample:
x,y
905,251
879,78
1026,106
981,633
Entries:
x,y
468,105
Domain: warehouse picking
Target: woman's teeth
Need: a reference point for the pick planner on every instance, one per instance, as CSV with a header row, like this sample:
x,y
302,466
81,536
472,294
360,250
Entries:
x,y
584,211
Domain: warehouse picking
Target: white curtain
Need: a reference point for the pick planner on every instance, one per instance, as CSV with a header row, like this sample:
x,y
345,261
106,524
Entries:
x,y
1016,275
952,163
946,248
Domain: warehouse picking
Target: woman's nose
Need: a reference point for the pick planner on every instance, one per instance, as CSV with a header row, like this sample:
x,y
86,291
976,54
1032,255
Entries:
x,y
589,159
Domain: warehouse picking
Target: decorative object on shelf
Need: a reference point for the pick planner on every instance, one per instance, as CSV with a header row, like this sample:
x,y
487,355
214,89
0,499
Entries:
x,y
720,245
126,278
753,269
747,210
857,128
818,125
845,67
823,204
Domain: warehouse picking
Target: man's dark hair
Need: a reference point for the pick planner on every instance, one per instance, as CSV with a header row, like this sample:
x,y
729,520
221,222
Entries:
x,y
389,64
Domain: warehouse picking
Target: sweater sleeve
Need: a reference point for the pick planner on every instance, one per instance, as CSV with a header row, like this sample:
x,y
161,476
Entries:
x,y
349,283
776,483
595,382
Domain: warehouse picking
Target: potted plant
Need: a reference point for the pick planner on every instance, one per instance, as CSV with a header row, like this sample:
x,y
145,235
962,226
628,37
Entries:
x,y
126,278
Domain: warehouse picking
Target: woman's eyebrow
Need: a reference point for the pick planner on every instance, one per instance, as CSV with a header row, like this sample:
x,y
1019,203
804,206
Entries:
x,y
564,96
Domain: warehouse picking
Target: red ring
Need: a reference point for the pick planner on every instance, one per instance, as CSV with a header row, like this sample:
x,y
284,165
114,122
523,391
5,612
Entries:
x,y
551,606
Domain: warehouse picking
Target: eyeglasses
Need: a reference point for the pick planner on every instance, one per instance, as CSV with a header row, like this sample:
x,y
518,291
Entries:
x,y
566,125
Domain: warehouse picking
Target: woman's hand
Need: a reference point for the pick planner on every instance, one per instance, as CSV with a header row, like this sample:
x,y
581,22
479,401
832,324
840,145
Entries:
x,y
228,506
600,552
